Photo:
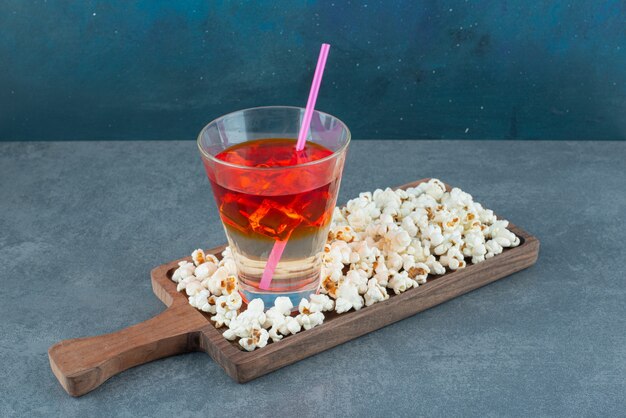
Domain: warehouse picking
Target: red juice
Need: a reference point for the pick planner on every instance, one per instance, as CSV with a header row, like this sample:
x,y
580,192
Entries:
x,y
281,205
269,192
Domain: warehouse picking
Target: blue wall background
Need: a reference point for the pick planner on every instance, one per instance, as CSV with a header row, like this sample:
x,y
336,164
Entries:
x,y
468,69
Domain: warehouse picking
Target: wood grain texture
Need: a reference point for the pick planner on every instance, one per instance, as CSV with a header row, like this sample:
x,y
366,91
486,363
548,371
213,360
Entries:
x,y
82,364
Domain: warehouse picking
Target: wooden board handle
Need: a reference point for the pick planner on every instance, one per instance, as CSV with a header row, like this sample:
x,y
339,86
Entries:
x,y
82,364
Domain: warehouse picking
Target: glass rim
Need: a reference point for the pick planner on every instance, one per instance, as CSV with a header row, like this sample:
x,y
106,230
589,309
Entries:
x,y
308,164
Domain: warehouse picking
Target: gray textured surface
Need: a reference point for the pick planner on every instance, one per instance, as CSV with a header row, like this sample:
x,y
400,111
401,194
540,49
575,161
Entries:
x,y
82,224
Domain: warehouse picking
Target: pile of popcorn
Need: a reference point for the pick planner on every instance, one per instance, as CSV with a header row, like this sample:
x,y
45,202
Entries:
x,y
388,240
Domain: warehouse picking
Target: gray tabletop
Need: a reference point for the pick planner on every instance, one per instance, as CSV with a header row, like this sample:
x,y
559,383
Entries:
x,y
83,223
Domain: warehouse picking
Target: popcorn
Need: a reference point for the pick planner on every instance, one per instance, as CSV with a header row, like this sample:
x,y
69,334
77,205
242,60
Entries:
x,y
342,233
359,279
290,326
498,232
254,313
309,321
374,231
213,283
407,208
348,297
388,240
309,318
493,248
474,246
394,261
381,271
227,253
182,284
304,307
435,266
234,301
258,338
221,282
386,199
387,222
339,251
329,287
397,241
367,196
426,201
228,285
408,261
338,218
193,287
206,269
321,302
453,259
478,259
442,248
418,272
451,224
419,251
457,198
204,301
276,316
229,265
185,269
223,318
367,253
359,219
277,321
360,212
401,282
273,318
198,257
375,293
332,270
227,309
434,188
283,305
274,334
485,216
402,194
408,225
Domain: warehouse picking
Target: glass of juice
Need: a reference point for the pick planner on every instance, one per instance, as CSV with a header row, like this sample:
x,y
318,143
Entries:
x,y
269,194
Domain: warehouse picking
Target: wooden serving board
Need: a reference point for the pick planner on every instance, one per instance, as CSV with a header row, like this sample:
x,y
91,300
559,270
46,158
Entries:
x,y
82,364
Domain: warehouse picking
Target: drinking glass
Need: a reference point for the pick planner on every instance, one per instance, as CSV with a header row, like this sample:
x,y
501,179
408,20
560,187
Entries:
x,y
263,206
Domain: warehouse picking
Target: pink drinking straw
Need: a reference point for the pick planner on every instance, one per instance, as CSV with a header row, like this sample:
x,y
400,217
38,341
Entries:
x,y
279,246
310,104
